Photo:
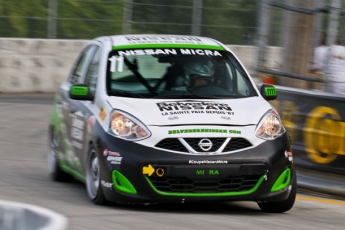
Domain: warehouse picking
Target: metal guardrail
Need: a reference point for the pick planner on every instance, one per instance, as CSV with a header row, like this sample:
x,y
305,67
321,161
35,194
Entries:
x,y
324,9
290,75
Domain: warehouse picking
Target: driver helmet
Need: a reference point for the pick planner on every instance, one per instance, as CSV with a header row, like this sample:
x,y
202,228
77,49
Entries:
x,y
198,68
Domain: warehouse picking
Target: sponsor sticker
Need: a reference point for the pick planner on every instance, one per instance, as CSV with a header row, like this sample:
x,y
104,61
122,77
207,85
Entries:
x,y
107,185
201,52
114,160
162,39
288,155
148,170
106,152
203,172
79,90
200,162
117,61
102,114
179,131
271,91
193,107
90,123
77,132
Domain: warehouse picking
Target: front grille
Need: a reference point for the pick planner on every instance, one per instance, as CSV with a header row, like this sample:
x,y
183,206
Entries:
x,y
185,185
216,143
173,144
237,143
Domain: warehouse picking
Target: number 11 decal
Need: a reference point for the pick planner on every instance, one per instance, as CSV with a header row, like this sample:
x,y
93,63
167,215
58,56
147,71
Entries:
x,y
113,64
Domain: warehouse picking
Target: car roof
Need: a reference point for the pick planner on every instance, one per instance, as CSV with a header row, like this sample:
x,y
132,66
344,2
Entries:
x,y
132,40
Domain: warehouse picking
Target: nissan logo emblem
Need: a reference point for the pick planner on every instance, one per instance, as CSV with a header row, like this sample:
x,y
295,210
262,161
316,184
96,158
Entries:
x,y
205,144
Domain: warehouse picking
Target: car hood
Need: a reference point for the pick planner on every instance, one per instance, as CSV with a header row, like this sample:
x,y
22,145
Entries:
x,y
244,111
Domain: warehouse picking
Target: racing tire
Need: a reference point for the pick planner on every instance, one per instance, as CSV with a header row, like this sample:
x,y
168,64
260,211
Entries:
x,y
93,178
56,173
282,206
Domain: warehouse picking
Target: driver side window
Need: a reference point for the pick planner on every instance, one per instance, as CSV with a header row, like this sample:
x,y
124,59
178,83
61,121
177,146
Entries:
x,y
80,66
92,73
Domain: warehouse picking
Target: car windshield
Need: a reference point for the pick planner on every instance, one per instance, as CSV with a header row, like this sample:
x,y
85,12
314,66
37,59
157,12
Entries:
x,y
176,73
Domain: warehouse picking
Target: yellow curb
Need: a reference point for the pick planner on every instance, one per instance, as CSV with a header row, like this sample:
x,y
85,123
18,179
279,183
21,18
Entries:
x,y
320,200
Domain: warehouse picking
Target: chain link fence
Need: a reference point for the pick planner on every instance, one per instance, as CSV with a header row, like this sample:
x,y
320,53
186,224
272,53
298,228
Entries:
x,y
232,22
294,29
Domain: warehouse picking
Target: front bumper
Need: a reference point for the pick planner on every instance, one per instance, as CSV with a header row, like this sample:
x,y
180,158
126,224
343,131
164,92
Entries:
x,y
248,175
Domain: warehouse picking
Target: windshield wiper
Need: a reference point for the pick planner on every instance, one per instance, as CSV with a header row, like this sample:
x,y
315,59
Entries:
x,y
134,68
124,93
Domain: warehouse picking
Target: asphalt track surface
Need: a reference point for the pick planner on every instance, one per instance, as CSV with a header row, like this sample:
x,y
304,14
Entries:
x,y
24,178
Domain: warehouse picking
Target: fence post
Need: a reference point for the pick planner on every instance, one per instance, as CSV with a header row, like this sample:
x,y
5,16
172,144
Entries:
x,y
333,22
298,39
332,31
317,22
263,31
52,18
127,17
197,13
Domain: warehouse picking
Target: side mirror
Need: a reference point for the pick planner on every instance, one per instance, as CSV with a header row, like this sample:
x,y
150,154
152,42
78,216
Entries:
x,y
80,92
269,92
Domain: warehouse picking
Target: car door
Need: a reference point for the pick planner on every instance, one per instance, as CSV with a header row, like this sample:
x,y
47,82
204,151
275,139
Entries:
x,y
85,110
72,117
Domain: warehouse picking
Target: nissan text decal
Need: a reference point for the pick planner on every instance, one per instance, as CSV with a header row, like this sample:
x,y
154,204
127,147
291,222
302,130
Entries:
x,y
163,39
169,52
193,107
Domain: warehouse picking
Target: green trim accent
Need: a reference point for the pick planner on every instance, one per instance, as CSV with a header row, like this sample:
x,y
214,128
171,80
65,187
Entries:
x,y
64,146
79,90
283,181
55,120
207,194
66,168
122,184
270,91
182,46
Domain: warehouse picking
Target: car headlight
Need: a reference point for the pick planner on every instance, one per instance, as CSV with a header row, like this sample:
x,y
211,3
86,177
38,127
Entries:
x,y
270,126
125,126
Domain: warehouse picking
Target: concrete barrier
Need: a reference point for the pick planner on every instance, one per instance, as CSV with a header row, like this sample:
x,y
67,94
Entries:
x,y
40,65
35,65
19,216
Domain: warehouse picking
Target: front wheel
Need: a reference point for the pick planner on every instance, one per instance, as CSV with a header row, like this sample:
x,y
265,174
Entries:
x,y
93,178
282,206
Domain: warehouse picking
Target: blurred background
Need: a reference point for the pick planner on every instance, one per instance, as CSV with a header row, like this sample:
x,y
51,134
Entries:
x,y
294,25
275,40
232,22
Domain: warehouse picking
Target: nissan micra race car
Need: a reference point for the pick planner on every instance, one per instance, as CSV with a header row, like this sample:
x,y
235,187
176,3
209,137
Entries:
x,y
168,118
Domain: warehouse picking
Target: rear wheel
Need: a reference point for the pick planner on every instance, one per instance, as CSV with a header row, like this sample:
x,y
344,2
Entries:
x,y
93,178
282,206
56,173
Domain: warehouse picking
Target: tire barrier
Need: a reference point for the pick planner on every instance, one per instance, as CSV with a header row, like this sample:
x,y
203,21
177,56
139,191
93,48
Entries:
x,y
315,121
20,216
